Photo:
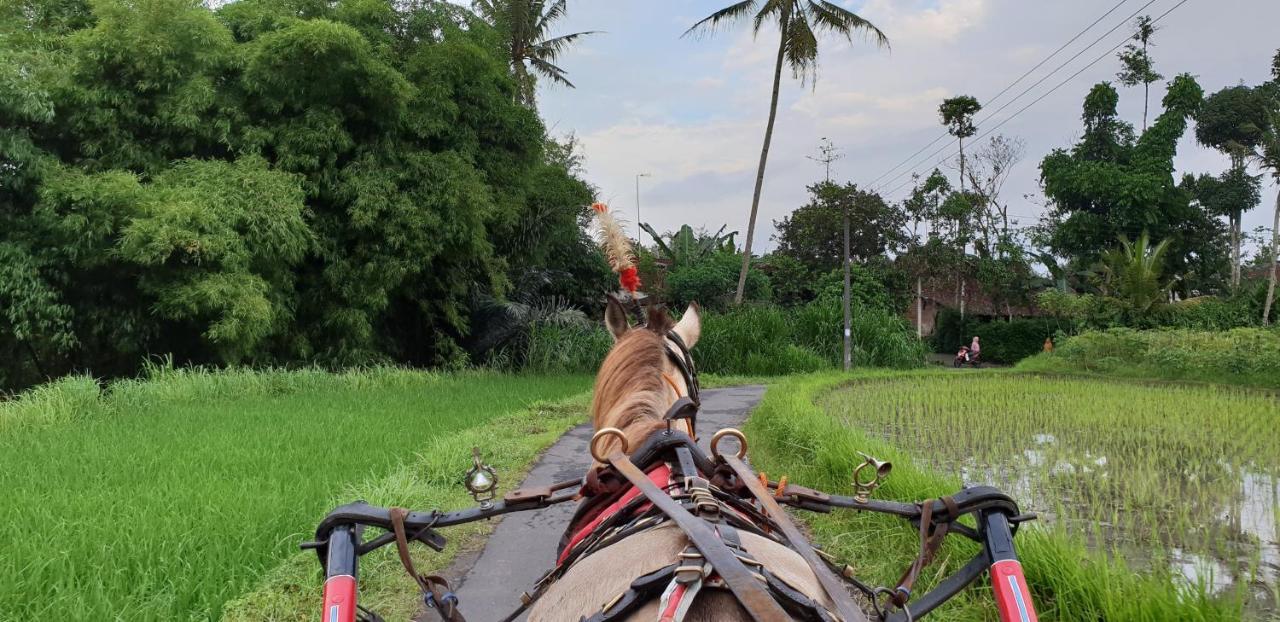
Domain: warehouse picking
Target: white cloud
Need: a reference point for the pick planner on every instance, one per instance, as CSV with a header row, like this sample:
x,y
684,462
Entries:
x,y
940,24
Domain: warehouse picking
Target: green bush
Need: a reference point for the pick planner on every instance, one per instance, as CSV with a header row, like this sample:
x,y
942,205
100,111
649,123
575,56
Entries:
x,y
1002,341
1205,313
755,340
1249,356
713,282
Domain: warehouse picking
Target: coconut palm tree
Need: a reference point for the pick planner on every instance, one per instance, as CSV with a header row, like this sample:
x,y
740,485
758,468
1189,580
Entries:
x,y
798,22
525,24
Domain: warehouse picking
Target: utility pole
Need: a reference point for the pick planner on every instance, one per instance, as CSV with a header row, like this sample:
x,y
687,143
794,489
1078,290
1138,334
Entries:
x,y
828,154
638,176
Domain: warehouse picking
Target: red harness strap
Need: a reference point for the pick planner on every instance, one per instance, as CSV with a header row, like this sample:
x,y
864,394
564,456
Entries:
x,y
659,475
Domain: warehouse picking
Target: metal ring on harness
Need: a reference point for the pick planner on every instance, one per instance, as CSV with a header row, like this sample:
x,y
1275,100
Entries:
x,y
742,441
602,434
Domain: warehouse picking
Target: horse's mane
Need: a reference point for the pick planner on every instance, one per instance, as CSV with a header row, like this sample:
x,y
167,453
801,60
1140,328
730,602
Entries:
x,y
630,393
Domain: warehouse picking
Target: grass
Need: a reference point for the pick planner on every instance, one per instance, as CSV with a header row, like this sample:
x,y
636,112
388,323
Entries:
x,y
792,434
165,498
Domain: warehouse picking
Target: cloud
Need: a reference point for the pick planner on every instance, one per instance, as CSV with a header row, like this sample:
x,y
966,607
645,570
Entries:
x,y
941,24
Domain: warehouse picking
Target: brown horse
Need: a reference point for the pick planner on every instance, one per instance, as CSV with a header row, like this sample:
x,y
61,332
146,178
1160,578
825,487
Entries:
x,y
637,384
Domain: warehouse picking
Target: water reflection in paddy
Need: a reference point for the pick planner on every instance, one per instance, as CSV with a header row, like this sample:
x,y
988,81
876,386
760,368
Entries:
x,y
1183,478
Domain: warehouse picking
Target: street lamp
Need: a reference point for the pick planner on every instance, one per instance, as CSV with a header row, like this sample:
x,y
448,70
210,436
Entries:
x,y
638,176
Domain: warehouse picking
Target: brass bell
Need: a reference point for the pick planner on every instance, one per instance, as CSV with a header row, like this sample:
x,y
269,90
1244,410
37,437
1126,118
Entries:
x,y
481,481
869,476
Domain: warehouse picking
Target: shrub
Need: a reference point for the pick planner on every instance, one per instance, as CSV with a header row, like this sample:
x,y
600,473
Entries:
x,y
761,340
1002,341
713,282
1239,356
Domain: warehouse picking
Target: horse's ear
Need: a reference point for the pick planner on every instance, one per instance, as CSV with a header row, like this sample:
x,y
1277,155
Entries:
x,y
690,326
615,317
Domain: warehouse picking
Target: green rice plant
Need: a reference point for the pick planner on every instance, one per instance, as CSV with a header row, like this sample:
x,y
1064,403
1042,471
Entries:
x,y
163,498
1112,544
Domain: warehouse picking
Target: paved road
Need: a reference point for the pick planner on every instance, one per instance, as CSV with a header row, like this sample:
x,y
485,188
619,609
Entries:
x,y
523,545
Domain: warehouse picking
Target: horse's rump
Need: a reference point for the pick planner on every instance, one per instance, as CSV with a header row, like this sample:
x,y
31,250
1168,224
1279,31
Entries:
x,y
595,580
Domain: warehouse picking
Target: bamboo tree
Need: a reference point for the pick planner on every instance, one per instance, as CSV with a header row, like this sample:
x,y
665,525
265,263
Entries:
x,y
797,22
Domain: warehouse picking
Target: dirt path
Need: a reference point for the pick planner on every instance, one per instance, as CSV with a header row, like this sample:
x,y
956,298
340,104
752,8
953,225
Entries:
x,y
523,546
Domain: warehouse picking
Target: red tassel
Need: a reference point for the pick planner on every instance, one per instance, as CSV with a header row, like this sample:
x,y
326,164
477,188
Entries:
x,y
629,279
600,207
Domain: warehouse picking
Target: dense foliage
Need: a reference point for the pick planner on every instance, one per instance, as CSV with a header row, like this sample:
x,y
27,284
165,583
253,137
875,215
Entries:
x,y
274,181
1002,342
1113,184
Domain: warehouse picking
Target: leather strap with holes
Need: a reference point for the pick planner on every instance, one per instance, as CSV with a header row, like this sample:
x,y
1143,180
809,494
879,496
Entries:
x,y
435,588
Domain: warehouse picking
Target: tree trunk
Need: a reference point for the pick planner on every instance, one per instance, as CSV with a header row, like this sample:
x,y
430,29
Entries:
x,y
1235,250
962,297
919,310
764,157
1275,248
848,322
1146,99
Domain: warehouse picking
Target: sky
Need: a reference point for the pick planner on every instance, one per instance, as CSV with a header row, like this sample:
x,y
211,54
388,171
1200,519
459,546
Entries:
x,y
691,111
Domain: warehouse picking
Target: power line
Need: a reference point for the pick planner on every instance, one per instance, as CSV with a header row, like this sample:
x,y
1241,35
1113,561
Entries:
x,y
1005,90
1027,90
1041,97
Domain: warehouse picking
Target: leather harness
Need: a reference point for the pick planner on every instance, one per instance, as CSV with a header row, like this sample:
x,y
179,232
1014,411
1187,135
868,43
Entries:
x,y
710,499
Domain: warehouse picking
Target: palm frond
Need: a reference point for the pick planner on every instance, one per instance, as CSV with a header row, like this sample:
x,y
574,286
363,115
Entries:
x,y
551,71
732,12
551,49
800,47
543,18
842,21
774,9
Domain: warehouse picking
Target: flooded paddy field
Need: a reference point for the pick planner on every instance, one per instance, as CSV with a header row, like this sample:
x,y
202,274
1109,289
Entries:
x,y
1178,480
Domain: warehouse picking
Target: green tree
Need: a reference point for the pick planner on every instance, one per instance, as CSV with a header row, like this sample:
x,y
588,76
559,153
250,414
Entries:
x,y
1110,184
1136,65
269,182
797,21
957,115
1233,121
813,233
525,25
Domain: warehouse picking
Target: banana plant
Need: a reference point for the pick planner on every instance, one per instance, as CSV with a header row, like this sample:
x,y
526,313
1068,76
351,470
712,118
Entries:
x,y
685,247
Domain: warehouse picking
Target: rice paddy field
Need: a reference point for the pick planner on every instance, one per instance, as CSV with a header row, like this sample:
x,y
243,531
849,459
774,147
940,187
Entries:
x,y
164,499
1178,482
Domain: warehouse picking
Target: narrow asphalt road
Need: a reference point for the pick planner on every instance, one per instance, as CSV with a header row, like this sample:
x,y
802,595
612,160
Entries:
x,y
523,546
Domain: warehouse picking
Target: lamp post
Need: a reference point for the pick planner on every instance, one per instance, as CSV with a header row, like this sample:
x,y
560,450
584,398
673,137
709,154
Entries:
x,y
638,176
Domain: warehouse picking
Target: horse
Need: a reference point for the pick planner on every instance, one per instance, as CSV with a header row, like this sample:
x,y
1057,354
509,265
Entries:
x,y
639,382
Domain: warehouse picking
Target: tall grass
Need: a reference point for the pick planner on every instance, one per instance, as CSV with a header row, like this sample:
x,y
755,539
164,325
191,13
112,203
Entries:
x,y
1247,356
163,498
791,434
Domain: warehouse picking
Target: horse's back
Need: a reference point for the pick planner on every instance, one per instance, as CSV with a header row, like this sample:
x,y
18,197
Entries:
x,y
596,580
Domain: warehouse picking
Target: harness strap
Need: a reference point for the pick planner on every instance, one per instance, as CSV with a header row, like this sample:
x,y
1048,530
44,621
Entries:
x,y
751,593
845,606
435,589
639,592
931,537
